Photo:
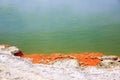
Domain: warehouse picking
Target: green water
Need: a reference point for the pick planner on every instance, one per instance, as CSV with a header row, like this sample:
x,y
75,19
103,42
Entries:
x,y
64,26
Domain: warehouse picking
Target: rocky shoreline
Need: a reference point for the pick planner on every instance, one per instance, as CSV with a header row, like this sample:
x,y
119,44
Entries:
x,y
14,67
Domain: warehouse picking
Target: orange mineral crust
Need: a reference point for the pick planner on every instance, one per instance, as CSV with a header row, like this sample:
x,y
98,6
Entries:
x,y
87,59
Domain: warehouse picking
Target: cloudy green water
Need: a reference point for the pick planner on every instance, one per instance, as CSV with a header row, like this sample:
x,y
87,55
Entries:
x,y
65,26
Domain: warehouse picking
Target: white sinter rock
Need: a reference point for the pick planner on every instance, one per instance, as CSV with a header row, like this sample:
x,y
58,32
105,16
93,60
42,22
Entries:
x,y
8,49
11,50
66,63
17,68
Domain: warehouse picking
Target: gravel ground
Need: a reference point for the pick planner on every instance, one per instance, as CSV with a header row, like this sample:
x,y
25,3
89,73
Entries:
x,y
16,68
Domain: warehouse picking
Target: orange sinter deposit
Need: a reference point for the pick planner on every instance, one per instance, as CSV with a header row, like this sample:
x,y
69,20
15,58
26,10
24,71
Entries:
x,y
87,59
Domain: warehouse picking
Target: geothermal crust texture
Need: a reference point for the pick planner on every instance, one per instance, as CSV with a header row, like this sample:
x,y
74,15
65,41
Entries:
x,y
17,68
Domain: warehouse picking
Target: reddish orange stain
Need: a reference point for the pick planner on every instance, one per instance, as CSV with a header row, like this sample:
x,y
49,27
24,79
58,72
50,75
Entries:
x,y
87,59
